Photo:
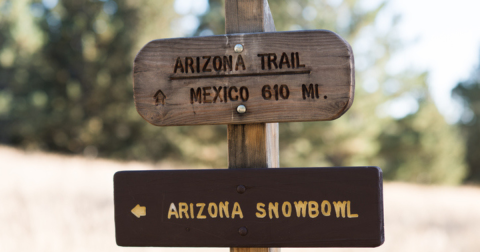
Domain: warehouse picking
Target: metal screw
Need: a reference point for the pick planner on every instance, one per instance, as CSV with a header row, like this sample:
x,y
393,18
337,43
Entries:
x,y
238,48
243,231
241,109
241,189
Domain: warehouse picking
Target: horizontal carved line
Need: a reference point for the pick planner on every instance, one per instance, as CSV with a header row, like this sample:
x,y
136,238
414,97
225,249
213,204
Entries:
x,y
239,75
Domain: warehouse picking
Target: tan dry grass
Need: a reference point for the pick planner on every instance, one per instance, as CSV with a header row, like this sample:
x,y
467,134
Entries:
x,y
60,203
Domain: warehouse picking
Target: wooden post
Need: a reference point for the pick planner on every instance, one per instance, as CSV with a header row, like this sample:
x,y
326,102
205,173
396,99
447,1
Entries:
x,y
185,92
251,145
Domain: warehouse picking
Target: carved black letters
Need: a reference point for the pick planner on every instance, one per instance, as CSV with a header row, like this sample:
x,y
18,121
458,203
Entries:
x,y
235,97
178,65
272,59
204,95
276,92
217,63
205,64
281,91
284,60
217,94
269,60
189,63
307,92
240,63
197,96
228,63
310,92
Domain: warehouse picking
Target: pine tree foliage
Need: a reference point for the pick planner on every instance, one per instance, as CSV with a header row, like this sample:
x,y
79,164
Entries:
x,y
66,86
366,134
468,93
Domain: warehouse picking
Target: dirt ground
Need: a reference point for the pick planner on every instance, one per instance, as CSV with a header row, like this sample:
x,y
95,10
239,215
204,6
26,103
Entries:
x,y
58,203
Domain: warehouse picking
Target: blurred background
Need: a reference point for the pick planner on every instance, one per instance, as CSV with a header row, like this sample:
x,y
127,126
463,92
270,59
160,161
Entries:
x,y
68,121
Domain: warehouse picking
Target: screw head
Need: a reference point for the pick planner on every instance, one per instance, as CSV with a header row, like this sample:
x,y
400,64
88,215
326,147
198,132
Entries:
x,y
238,48
243,231
241,189
241,109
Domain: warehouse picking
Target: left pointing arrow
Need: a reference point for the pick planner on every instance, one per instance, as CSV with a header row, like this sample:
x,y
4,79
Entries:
x,y
139,211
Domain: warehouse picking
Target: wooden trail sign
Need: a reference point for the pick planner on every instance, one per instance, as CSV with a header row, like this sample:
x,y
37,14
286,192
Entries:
x,y
249,81
277,77
307,207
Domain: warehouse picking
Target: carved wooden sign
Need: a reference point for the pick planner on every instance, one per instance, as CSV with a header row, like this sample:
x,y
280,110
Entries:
x,y
308,207
277,77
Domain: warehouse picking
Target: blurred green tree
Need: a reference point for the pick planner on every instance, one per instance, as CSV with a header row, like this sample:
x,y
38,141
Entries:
x,y
468,94
417,145
68,85
65,85
66,81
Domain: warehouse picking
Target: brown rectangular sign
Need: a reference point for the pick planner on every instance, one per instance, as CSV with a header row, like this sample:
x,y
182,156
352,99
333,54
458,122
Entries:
x,y
277,77
307,207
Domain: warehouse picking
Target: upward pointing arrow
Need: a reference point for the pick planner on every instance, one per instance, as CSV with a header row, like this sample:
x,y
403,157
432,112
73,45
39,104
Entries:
x,y
139,211
159,97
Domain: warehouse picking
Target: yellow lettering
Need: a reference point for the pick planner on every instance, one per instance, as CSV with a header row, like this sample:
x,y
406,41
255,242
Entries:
x,y
301,207
237,211
191,211
287,213
224,209
325,203
199,215
349,215
213,213
313,209
172,211
340,206
261,211
183,208
274,209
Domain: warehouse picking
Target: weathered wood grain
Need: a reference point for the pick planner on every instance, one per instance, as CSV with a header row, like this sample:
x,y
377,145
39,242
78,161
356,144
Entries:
x,y
358,189
316,84
246,16
251,145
